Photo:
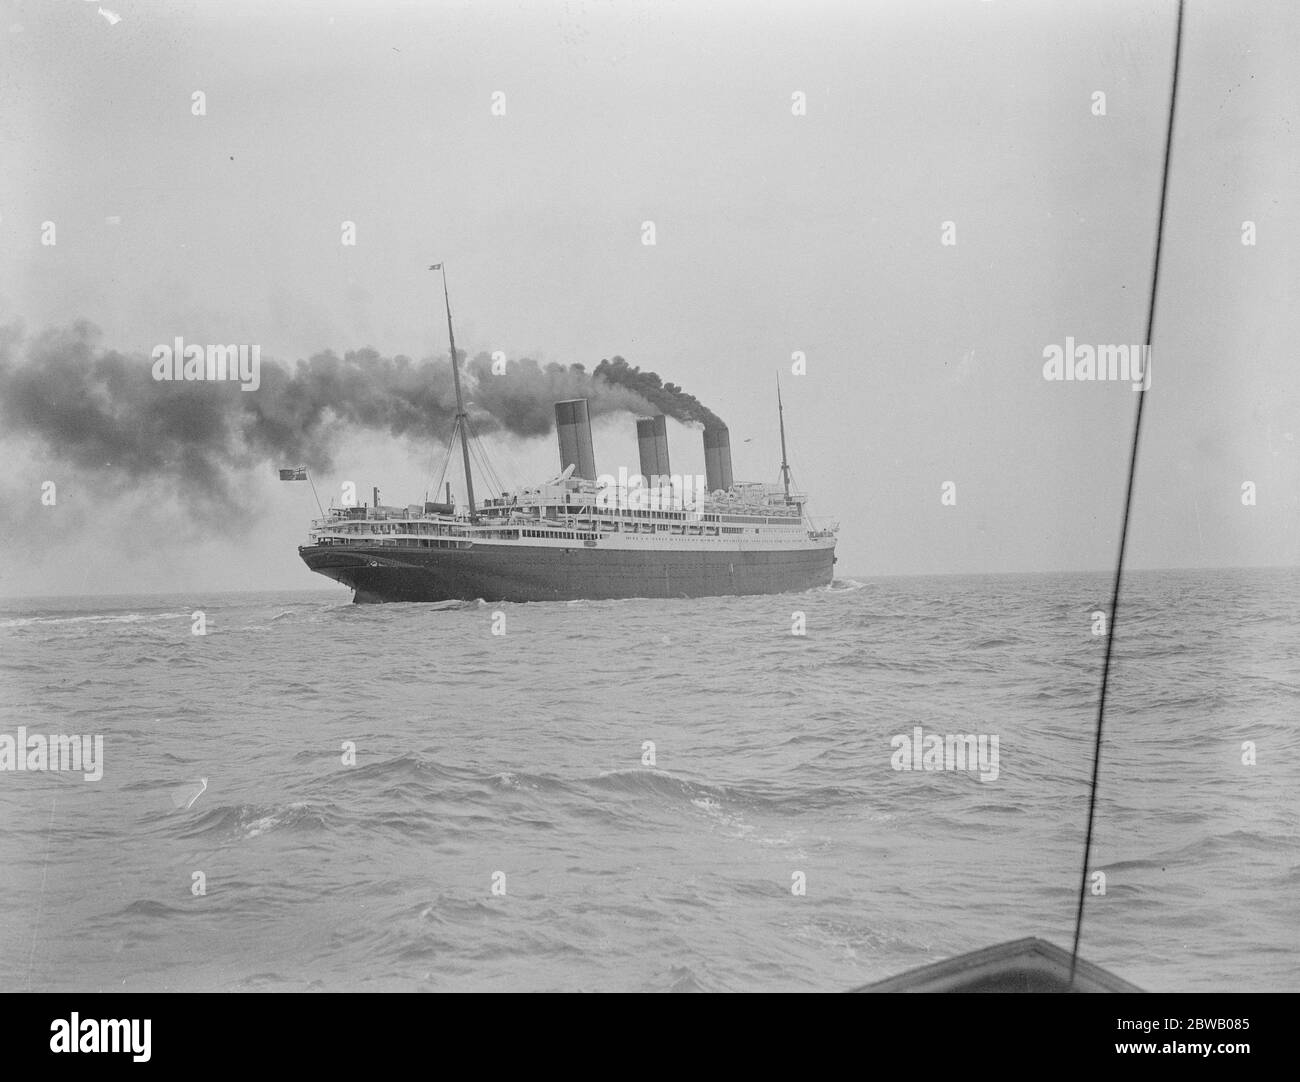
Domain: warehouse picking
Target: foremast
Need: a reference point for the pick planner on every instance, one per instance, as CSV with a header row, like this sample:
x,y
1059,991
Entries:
x,y
462,421
785,464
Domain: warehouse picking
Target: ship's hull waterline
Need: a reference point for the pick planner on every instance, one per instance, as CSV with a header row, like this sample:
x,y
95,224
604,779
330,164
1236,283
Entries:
x,y
504,573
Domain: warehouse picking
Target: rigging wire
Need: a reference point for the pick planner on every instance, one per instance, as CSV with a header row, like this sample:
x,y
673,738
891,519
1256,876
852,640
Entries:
x,y
476,456
519,476
1128,504
446,456
482,458
484,467
446,461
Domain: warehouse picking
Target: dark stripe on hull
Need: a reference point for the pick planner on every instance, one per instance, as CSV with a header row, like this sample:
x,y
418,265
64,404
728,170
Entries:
x,y
504,573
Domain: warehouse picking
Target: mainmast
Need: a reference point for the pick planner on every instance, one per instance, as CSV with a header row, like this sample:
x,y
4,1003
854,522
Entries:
x,y
785,465
461,419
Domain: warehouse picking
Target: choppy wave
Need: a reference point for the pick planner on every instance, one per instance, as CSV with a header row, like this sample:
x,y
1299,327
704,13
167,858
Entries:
x,y
400,799
95,618
251,820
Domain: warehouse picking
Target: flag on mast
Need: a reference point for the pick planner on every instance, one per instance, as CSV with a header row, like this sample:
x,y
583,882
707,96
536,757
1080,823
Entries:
x,y
297,473
436,266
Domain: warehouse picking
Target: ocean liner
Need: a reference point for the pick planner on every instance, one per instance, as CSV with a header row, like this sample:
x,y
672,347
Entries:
x,y
581,535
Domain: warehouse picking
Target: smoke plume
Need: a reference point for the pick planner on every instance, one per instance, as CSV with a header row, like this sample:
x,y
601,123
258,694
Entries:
x,y
101,412
667,398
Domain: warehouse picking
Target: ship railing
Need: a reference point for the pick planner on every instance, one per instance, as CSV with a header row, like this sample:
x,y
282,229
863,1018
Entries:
x,y
369,514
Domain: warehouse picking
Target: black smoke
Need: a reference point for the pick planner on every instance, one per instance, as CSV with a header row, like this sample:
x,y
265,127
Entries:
x,y
101,413
668,398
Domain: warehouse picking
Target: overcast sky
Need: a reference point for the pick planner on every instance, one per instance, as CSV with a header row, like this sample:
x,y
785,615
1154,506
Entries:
x,y
775,232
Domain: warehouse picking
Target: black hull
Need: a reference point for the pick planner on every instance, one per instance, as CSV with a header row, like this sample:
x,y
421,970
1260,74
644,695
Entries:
x,y
512,573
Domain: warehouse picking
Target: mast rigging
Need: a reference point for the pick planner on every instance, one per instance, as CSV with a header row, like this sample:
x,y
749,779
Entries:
x,y
462,420
785,465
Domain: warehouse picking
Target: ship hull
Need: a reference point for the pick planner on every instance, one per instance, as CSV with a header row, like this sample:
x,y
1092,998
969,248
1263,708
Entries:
x,y
511,573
